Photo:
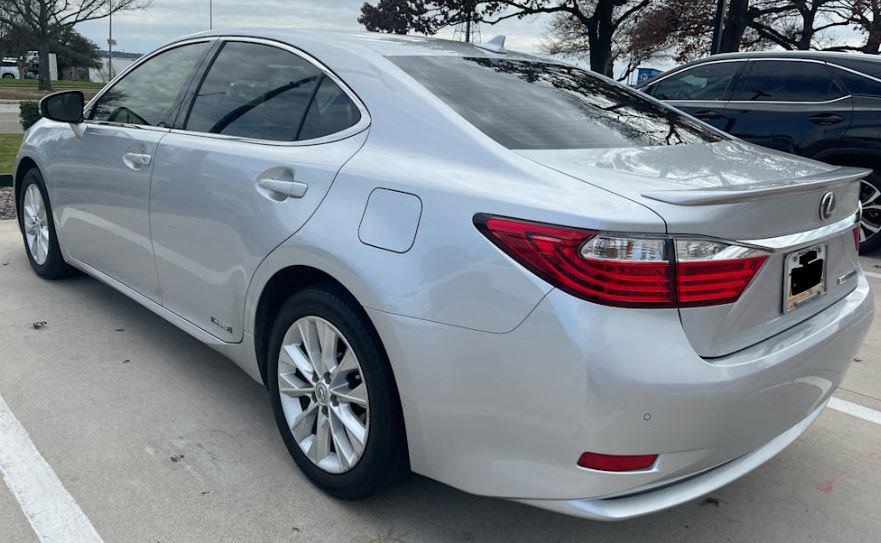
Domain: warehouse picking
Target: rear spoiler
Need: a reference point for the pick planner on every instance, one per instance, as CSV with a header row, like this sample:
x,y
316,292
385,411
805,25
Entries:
x,y
746,193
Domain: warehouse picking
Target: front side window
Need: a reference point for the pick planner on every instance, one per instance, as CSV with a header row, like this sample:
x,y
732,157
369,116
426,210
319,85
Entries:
x,y
149,94
705,82
525,104
786,81
261,92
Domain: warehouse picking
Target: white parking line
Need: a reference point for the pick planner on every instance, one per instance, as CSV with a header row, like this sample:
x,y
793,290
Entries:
x,y
873,274
51,510
855,410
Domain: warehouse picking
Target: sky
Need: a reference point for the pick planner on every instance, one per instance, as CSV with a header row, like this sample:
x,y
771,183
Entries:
x,y
143,31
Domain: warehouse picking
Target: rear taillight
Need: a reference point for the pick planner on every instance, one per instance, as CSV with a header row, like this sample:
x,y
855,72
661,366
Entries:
x,y
627,270
856,237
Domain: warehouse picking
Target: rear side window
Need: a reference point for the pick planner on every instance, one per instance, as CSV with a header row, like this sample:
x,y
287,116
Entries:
x,y
331,111
149,94
858,84
705,82
786,81
525,104
261,92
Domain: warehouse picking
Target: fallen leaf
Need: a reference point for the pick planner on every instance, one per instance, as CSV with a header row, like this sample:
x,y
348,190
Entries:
x,y
857,359
39,324
119,330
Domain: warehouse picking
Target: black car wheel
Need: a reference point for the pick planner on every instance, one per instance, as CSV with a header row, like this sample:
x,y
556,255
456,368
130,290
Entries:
x,y
870,227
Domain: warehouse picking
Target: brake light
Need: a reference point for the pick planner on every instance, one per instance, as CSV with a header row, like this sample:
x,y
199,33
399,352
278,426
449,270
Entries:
x,y
710,272
856,237
615,462
627,271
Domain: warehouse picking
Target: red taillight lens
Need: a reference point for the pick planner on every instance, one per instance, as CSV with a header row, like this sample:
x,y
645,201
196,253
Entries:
x,y
627,271
554,253
856,237
614,462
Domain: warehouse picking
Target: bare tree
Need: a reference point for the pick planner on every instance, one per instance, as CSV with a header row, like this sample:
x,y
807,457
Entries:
x,y
598,21
569,37
49,19
864,16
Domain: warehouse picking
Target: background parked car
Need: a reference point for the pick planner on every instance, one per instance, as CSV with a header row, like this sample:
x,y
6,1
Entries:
x,y
821,105
8,70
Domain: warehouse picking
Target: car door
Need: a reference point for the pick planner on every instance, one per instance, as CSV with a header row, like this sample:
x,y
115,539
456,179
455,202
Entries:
x,y
102,177
266,133
701,91
794,105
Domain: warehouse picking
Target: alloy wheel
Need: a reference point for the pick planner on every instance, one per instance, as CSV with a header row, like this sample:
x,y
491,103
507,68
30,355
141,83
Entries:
x,y
870,198
36,225
323,394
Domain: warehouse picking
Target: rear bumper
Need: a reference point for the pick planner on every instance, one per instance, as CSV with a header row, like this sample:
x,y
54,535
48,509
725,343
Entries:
x,y
508,415
642,502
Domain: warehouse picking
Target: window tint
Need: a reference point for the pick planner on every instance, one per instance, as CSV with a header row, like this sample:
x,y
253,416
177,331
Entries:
x,y
791,81
255,91
537,105
331,111
858,84
148,95
705,82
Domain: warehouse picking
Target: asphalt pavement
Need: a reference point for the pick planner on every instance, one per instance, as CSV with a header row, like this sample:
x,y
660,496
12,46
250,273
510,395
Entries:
x,y
137,432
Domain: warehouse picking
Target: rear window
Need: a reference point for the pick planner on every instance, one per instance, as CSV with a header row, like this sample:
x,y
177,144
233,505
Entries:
x,y
524,104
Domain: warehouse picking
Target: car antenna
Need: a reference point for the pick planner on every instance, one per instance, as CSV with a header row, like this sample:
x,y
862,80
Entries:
x,y
496,45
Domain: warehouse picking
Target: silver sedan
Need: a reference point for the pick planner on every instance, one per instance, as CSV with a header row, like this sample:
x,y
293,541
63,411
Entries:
x,y
507,274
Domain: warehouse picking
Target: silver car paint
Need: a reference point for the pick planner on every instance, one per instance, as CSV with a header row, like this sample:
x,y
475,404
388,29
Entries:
x,y
504,381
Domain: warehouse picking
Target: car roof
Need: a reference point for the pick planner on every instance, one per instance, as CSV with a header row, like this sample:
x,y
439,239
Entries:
x,y
368,44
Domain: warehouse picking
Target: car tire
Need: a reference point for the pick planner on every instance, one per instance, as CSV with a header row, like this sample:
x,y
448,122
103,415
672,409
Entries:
x,y
8,76
870,227
383,456
35,219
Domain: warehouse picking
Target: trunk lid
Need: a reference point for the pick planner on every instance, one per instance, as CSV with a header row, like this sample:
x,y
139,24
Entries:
x,y
736,192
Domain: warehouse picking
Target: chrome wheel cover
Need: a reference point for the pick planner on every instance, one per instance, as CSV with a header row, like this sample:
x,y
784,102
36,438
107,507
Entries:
x,y
870,198
36,226
323,394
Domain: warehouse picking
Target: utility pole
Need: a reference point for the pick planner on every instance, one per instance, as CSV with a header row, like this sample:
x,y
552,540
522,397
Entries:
x,y
718,26
210,14
110,43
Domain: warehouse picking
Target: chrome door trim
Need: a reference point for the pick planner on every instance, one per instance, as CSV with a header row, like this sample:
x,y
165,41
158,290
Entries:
x,y
357,128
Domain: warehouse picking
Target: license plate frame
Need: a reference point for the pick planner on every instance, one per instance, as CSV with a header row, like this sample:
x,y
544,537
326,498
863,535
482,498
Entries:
x,y
801,288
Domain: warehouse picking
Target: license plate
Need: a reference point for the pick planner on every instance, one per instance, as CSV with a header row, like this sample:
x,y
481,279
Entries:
x,y
805,277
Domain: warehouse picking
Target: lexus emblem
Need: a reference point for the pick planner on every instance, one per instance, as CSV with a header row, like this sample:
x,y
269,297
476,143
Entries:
x,y
827,206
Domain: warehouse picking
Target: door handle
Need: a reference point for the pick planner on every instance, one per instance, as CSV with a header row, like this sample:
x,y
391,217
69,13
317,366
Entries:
x,y
826,118
137,161
283,188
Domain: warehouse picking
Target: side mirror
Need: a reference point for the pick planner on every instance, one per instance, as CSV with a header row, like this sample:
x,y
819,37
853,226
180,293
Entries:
x,y
64,107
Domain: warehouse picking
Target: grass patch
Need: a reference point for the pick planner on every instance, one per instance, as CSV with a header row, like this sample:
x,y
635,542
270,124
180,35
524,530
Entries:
x,y
32,84
9,144
26,89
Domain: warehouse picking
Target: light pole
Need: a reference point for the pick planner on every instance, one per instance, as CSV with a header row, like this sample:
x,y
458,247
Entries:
x,y
210,14
110,42
718,26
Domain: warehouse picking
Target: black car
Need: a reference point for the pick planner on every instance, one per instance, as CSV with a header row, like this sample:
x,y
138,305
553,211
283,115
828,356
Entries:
x,y
821,105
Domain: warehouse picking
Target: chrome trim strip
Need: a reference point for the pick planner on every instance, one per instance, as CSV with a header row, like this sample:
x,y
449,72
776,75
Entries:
x,y
777,102
790,241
